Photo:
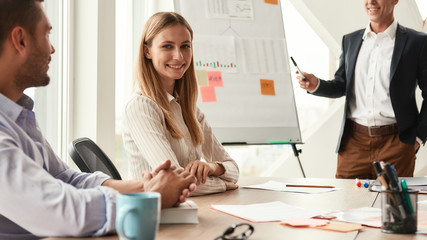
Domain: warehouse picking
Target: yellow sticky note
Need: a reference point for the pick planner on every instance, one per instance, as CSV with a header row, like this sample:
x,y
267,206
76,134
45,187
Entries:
x,y
275,2
202,77
215,78
267,87
208,93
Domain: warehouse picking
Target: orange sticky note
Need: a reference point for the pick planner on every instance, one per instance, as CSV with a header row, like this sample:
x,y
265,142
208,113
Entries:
x,y
202,77
341,227
208,93
215,78
267,87
275,2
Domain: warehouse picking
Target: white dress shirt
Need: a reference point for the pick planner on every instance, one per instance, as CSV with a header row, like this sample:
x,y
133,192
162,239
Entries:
x,y
39,194
148,143
371,103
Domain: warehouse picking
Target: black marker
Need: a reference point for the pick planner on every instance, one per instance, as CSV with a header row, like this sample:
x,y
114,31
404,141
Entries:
x,y
299,71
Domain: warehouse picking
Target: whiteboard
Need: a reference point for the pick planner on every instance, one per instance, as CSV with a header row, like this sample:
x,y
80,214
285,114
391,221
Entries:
x,y
242,65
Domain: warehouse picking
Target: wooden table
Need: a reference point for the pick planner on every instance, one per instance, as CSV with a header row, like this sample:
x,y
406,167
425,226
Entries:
x,y
213,223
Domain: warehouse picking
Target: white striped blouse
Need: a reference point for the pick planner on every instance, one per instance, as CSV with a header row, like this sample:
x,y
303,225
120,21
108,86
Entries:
x,y
148,143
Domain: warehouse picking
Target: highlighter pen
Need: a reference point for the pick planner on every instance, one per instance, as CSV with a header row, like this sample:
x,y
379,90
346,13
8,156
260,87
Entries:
x,y
380,174
408,200
299,71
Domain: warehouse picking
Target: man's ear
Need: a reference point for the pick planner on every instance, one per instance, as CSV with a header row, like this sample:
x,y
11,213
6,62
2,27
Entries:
x,y
147,52
19,39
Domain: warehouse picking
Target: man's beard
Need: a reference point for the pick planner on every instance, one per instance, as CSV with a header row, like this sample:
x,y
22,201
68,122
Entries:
x,y
33,73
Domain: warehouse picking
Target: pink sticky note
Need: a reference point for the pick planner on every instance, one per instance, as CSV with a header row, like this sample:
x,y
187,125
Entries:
x,y
208,93
215,78
304,222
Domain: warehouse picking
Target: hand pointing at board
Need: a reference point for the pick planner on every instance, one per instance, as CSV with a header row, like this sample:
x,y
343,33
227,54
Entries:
x,y
306,81
310,83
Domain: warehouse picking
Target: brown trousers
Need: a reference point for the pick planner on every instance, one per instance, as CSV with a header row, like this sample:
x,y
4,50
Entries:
x,y
359,150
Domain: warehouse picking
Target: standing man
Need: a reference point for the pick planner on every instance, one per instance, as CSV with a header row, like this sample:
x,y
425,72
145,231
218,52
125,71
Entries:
x,y
40,195
380,68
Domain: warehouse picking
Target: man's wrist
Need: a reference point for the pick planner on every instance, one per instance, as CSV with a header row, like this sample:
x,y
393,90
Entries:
x,y
317,87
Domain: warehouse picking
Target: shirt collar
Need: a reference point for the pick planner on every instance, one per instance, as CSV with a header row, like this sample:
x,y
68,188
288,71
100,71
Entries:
x,y
390,31
12,109
170,97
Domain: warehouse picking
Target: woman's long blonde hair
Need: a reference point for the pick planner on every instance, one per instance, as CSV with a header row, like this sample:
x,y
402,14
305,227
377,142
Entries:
x,y
148,81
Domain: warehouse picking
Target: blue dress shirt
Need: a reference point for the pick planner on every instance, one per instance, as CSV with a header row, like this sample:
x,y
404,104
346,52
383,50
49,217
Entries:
x,y
39,194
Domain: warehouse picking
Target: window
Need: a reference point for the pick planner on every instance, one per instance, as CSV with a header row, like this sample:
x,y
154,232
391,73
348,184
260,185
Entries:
x,y
51,101
130,19
313,56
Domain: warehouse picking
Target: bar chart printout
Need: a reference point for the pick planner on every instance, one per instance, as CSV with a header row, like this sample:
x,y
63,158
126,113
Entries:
x,y
215,53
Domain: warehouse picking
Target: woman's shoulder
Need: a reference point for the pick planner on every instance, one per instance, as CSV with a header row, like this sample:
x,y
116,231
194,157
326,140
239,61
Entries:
x,y
138,101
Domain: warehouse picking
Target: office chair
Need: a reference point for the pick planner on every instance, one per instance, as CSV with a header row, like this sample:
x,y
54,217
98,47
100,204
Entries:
x,y
90,158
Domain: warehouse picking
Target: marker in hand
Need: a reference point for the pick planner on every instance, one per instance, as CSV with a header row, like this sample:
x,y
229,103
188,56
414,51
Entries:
x,y
299,71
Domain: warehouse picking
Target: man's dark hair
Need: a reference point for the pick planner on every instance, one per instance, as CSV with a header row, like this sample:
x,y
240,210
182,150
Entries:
x,y
24,13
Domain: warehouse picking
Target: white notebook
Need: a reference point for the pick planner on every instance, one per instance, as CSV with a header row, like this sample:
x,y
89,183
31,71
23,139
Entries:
x,y
185,213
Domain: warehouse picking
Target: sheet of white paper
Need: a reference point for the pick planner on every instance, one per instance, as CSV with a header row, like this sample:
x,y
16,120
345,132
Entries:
x,y
280,186
230,9
263,55
215,53
266,212
366,216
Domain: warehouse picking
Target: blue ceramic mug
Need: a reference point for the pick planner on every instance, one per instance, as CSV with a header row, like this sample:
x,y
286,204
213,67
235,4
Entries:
x,y
138,215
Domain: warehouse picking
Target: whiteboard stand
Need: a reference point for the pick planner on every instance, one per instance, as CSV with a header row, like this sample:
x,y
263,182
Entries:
x,y
296,153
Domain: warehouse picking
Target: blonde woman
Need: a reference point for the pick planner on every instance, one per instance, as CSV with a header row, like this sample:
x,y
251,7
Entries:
x,y
162,121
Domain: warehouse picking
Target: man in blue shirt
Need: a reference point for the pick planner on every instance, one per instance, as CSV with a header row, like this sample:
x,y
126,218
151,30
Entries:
x,y
40,195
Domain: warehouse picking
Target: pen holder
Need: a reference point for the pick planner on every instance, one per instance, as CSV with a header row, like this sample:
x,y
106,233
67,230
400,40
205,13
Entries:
x,y
399,211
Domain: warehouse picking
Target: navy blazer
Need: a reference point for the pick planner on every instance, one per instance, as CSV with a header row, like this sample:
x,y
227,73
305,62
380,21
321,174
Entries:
x,y
408,69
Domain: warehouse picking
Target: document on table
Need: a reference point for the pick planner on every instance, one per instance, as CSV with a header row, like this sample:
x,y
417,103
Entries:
x,y
266,212
366,216
280,186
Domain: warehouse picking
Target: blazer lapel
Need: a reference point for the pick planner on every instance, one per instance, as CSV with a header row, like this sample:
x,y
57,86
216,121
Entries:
x,y
352,57
399,45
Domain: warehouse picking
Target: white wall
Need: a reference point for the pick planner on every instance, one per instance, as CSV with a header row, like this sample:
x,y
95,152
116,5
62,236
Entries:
x,y
331,19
